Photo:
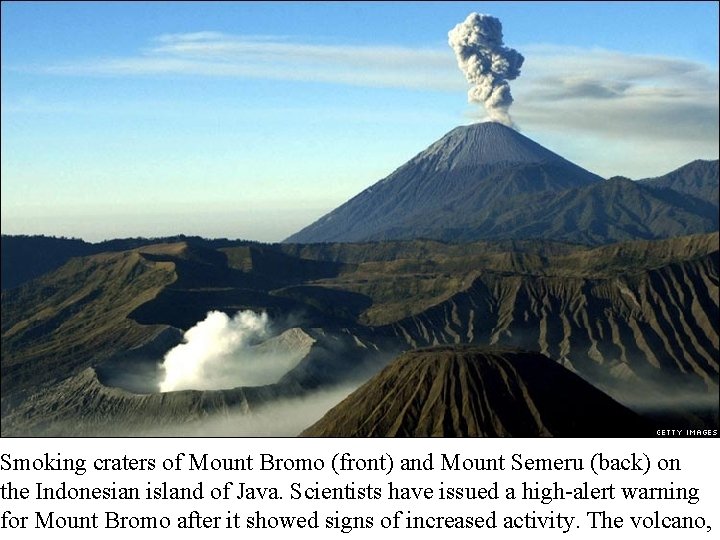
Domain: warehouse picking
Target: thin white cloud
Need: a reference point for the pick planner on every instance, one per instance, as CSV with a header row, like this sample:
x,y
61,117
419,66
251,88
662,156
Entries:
x,y
379,76
263,57
209,45
189,36
560,89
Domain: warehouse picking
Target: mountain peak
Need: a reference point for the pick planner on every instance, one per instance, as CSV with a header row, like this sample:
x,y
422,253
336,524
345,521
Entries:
x,y
471,391
487,143
698,179
465,172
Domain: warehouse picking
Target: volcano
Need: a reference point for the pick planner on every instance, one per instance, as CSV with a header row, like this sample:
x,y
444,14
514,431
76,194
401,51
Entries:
x,y
471,391
458,172
486,181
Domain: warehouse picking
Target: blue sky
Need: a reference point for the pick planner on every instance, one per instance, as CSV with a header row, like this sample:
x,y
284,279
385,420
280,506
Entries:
x,y
250,120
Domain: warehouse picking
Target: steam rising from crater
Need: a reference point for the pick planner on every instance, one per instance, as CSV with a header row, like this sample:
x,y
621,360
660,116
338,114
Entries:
x,y
218,353
487,64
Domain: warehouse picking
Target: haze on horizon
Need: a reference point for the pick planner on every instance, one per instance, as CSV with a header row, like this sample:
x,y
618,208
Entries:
x,y
251,120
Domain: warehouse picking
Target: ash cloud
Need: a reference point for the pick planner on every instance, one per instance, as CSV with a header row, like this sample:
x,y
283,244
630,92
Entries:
x,y
218,353
487,64
564,88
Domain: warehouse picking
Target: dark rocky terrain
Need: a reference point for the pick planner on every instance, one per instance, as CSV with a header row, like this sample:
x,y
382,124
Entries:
x,y
470,391
635,319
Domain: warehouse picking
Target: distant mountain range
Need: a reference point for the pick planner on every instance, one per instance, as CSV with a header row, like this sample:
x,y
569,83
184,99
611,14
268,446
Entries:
x,y
698,179
488,182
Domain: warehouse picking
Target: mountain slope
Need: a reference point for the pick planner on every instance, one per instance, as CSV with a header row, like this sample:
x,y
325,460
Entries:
x,y
614,210
489,182
26,257
476,392
461,166
62,322
638,335
698,179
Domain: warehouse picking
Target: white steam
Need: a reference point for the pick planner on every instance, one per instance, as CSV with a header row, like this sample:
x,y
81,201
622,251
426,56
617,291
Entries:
x,y
218,353
486,63
285,417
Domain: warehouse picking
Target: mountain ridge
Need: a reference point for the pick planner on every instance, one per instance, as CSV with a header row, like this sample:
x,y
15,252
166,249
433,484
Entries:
x,y
488,182
697,178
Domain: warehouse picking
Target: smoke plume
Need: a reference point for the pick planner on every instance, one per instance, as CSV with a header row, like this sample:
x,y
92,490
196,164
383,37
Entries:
x,y
486,63
218,353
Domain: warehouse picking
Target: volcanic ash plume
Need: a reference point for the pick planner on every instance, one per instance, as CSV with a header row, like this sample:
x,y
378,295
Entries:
x,y
217,354
486,63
